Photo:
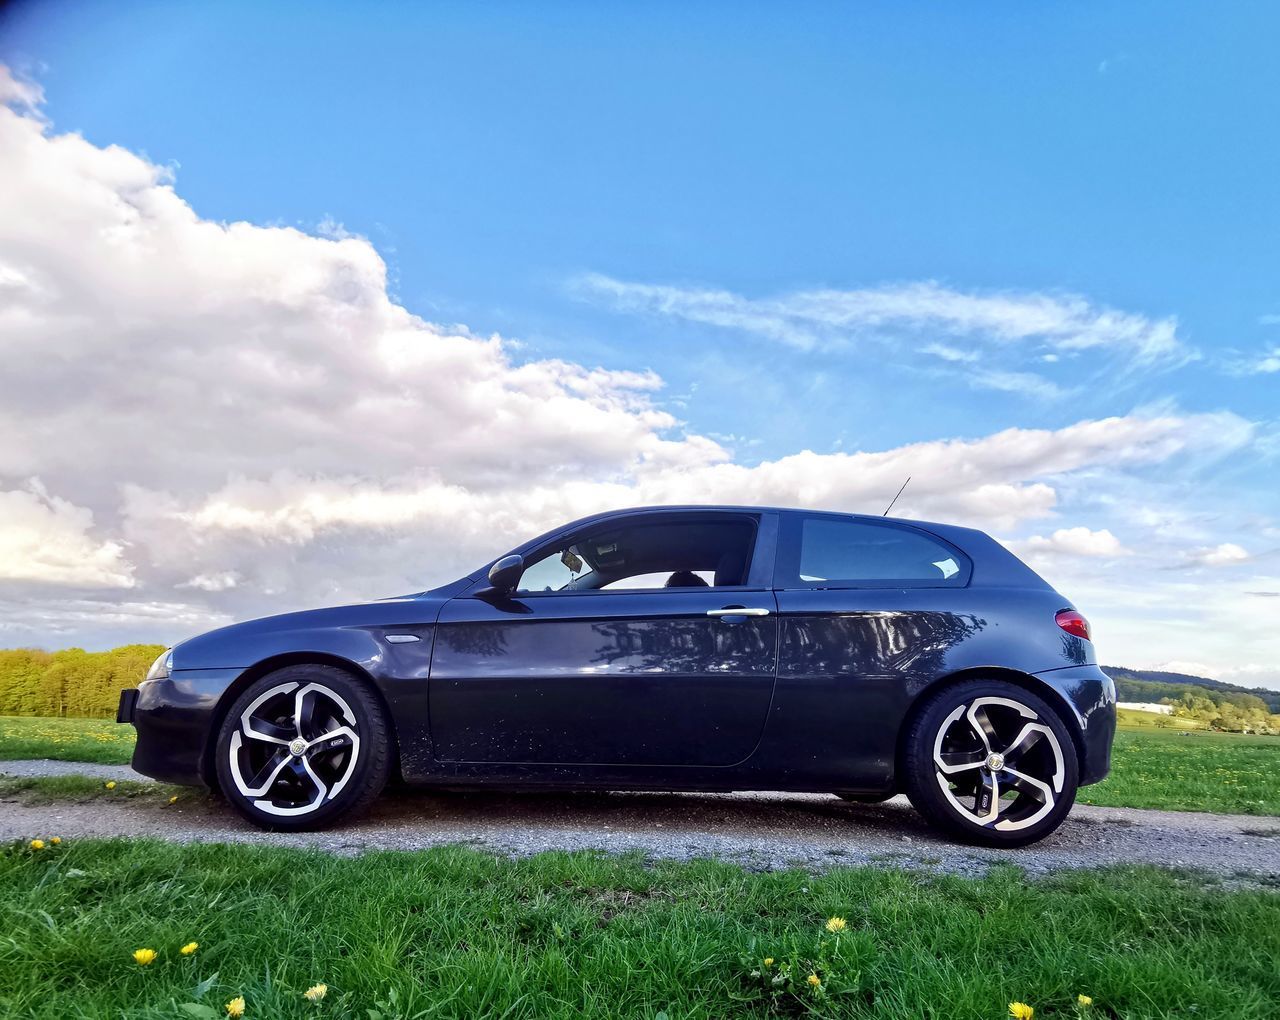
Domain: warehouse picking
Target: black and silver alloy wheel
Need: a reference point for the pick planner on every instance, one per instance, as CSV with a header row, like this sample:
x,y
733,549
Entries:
x,y
991,762
302,747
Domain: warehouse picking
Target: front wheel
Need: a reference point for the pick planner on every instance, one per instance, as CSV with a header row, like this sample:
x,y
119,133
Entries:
x,y
302,748
991,763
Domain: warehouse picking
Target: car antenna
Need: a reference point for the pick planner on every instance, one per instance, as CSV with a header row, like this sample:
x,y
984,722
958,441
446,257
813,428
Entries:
x,y
895,498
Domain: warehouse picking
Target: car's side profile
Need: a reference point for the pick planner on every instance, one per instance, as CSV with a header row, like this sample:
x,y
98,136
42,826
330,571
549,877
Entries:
x,y
674,648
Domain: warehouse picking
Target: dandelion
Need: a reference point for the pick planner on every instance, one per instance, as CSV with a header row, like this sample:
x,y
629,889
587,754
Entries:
x,y
235,1007
37,844
110,784
814,981
316,992
189,948
173,799
1085,1000
768,961
1021,1011
142,957
836,924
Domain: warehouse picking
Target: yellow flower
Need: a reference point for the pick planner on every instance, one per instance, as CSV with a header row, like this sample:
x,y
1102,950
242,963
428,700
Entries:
x,y
836,924
173,799
814,981
236,1006
1021,1011
1084,1000
110,784
316,992
143,956
189,948
37,844
55,840
768,961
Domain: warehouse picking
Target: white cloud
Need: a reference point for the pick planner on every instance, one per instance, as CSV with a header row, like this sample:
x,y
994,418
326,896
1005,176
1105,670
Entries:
x,y
1265,363
809,319
47,540
1072,542
1219,555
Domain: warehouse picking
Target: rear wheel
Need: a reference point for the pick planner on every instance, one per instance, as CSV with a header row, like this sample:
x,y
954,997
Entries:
x,y
991,763
302,748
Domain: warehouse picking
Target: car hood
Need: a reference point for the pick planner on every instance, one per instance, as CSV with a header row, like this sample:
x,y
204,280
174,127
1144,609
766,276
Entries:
x,y
242,644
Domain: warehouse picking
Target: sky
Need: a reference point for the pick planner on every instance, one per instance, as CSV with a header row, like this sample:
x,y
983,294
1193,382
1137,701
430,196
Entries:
x,y
304,304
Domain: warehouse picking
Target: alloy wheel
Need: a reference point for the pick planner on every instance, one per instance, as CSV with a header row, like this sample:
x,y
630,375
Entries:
x,y
294,748
998,764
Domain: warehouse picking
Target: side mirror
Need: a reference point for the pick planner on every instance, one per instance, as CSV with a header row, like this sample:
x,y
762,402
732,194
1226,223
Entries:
x,y
505,574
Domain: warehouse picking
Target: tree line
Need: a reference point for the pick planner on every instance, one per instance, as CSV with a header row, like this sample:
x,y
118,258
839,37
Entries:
x,y
71,682
1236,711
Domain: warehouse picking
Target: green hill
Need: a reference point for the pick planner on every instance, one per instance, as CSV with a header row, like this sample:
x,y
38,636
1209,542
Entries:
x,y
1153,684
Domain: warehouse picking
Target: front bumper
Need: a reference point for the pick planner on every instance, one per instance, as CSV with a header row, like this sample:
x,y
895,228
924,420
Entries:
x,y
175,718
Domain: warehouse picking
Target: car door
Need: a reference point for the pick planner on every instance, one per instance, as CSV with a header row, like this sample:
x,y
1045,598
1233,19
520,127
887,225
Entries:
x,y
869,612
614,675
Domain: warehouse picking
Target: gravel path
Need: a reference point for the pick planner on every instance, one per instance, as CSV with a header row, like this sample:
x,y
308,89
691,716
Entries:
x,y
36,767
760,831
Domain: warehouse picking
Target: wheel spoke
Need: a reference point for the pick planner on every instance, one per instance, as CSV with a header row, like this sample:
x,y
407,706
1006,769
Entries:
x,y
987,803
1031,786
1031,734
960,761
334,740
304,710
981,723
266,731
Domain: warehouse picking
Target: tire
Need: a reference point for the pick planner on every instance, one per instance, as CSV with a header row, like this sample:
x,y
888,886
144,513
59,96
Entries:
x,y
866,798
981,737
279,782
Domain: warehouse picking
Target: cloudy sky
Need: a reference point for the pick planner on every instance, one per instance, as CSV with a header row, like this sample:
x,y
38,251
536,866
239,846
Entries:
x,y
297,310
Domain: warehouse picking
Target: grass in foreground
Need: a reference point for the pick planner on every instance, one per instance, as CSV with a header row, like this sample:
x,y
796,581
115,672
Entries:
x,y
96,740
457,933
1228,773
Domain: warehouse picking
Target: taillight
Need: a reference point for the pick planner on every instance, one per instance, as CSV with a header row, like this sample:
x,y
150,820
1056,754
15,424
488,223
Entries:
x,y
1073,623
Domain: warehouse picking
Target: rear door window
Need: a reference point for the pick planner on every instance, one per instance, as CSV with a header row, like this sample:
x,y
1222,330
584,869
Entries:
x,y
834,552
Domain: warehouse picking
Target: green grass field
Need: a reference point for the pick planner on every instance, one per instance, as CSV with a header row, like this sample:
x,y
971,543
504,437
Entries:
x,y
1228,773
95,740
458,933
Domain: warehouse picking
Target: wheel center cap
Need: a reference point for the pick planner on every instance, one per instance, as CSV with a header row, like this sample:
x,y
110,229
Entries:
x,y
297,746
995,762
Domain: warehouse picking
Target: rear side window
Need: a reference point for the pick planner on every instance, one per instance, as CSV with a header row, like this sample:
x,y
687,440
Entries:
x,y
829,552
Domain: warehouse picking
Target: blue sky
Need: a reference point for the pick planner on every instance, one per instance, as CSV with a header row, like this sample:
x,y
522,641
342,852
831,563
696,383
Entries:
x,y
703,192
1123,152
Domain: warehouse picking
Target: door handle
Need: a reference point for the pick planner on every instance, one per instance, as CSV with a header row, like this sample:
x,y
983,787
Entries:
x,y
738,611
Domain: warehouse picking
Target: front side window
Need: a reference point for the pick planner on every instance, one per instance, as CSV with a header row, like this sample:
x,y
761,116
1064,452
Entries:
x,y
696,553
831,552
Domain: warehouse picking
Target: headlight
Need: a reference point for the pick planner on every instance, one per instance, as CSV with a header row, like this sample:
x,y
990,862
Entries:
x,y
160,668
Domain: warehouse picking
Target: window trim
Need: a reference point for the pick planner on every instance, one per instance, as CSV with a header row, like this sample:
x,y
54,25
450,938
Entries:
x,y
761,533
786,575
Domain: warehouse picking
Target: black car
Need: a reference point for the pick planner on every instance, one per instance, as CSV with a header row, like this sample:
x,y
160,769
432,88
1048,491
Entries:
x,y
668,648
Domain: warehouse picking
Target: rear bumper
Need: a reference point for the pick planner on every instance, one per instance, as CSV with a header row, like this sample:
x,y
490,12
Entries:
x,y
1092,696
174,717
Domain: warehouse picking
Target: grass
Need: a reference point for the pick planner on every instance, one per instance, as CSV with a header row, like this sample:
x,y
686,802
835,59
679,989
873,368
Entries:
x,y
95,740
83,789
454,933
1228,773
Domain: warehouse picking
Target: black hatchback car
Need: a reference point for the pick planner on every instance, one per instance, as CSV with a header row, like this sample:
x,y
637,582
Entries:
x,y
671,648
